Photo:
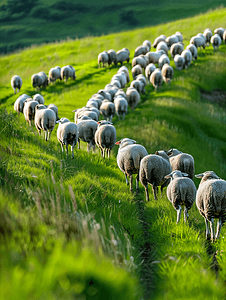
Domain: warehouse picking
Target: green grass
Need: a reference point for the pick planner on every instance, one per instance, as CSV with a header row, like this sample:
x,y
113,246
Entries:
x,y
50,205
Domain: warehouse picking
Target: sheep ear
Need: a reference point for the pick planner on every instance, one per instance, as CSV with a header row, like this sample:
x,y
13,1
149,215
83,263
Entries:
x,y
57,121
118,143
169,152
74,110
168,176
199,175
184,174
156,153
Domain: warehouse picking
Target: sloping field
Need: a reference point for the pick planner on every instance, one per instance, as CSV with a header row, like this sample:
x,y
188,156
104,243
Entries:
x,y
70,229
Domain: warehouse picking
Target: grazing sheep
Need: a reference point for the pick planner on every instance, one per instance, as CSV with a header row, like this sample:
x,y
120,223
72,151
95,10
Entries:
x,y
122,55
103,58
215,41
149,70
179,62
55,109
67,134
120,92
141,50
132,97
105,137
16,83
220,31
85,111
162,46
208,34
158,40
125,70
38,98
54,74
154,56
182,161
147,43
138,85
167,73
112,57
198,41
170,40
107,109
156,79
153,169
179,36
29,110
93,103
176,48
187,55
86,132
193,50
181,191
111,89
136,70
121,77
121,106
19,103
67,72
128,159
45,119
38,80
105,94
142,79
139,60
164,59
211,201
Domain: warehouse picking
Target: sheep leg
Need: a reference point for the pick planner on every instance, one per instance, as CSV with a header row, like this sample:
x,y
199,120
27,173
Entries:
x,y
108,152
219,225
178,213
46,137
66,146
94,148
131,182
212,229
137,182
154,188
49,134
72,151
186,215
78,143
88,147
207,229
146,192
62,147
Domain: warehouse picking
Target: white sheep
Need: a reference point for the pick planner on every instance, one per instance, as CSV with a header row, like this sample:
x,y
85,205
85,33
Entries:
x,y
86,132
105,94
198,41
156,78
86,111
39,79
142,79
39,98
132,97
158,40
139,60
211,201
67,134
162,46
153,57
136,70
179,36
45,119
170,40
105,137
19,103
128,159
16,83
122,55
164,59
208,34
193,50
167,73
103,58
147,43
220,31
54,74
138,85
181,191
187,55
215,41
29,110
67,72
107,109
55,109
179,62
125,70
112,57
112,89
143,49
176,48
121,106
121,77
153,169
149,70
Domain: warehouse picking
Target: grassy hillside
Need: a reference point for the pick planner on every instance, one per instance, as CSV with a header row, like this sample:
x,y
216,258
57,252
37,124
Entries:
x,y
61,216
35,22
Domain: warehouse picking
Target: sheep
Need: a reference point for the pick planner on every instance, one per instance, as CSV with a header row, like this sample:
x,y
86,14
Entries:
x,y
121,106
139,60
142,79
170,40
132,97
112,89
73,76
121,77
55,109
179,62
176,48
45,119
105,137
167,73
117,83
86,132
67,134
19,103
54,74
93,103
208,34
120,92
156,78
211,201
125,70
16,83
203,36
138,85
128,159
183,162
149,70
153,169
39,98
136,70
38,80
164,59
86,111
187,55
44,78
158,40
181,191
198,41
215,41
122,55
107,109
154,56
105,94
193,50
179,36
220,31
29,110
103,58
111,57
147,43
141,50
67,72
162,46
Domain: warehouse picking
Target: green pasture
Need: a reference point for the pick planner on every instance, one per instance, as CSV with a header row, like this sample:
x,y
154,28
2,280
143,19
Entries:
x,y
70,229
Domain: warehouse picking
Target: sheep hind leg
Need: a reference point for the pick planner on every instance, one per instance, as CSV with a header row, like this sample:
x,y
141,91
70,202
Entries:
x,y
212,229
207,229
108,152
137,182
72,151
154,188
186,215
131,182
178,213
127,182
66,146
219,225
146,192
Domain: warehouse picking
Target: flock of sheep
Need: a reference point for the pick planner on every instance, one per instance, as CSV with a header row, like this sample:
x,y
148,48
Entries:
x,y
172,169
